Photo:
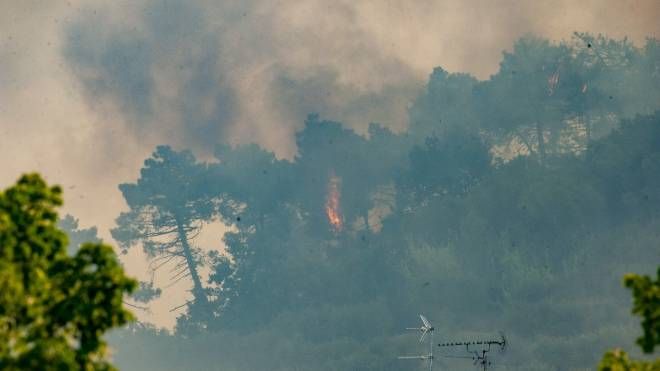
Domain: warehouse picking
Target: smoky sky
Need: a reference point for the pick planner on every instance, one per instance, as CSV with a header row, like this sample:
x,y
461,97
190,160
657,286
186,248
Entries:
x,y
166,78
197,73
89,88
193,74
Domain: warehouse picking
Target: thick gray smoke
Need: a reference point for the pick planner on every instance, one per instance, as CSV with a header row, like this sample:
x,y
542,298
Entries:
x,y
89,88
195,75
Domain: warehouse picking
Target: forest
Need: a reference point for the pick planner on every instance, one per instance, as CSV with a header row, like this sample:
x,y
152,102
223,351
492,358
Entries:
x,y
514,204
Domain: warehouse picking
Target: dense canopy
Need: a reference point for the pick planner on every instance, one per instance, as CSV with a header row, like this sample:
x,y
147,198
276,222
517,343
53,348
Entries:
x,y
514,203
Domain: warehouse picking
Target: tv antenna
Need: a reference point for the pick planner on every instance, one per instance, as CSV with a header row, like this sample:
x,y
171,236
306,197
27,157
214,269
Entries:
x,y
425,329
479,351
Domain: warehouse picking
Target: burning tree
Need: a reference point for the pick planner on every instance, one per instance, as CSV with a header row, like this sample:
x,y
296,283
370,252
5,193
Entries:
x,y
332,203
331,158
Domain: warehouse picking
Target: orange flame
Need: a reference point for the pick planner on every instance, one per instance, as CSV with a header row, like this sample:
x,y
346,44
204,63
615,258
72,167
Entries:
x,y
332,204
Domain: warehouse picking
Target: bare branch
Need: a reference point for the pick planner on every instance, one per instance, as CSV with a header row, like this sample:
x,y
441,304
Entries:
x,y
146,309
180,306
177,280
153,269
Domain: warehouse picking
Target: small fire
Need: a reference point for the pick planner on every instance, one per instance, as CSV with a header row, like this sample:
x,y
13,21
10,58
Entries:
x,y
332,203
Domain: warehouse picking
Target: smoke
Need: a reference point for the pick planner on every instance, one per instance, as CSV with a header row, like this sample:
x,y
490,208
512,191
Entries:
x,y
87,89
160,74
196,74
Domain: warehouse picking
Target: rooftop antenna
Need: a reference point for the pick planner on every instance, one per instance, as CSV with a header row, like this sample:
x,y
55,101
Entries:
x,y
479,351
425,329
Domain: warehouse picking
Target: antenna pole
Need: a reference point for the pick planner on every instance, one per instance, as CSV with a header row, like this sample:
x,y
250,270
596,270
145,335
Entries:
x,y
425,329
479,359
431,352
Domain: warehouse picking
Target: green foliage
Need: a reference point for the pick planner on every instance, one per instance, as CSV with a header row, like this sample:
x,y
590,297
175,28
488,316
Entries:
x,y
54,308
646,293
618,360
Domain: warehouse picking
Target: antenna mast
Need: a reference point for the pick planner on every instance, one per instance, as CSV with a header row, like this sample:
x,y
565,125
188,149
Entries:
x,y
426,329
479,355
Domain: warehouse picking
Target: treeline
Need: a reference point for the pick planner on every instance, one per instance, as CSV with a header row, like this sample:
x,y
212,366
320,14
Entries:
x,y
514,203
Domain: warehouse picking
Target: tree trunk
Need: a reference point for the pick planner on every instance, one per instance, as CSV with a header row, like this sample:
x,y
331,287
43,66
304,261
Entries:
x,y
524,141
198,289
587,126
541,141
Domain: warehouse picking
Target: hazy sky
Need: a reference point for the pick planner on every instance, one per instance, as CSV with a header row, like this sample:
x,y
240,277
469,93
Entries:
x,y
88,88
